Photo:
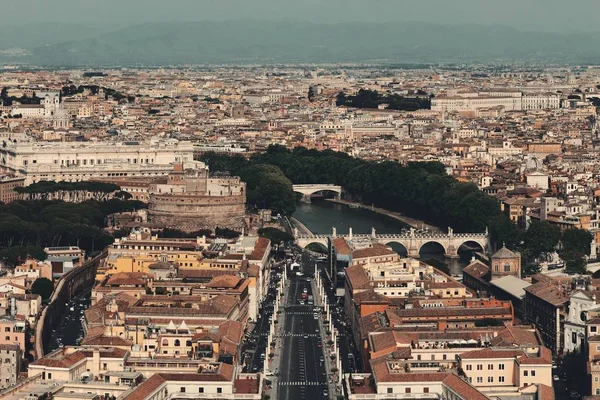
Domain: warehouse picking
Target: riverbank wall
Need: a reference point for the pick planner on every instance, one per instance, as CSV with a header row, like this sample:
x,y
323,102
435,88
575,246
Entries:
x,y
412,222
70,285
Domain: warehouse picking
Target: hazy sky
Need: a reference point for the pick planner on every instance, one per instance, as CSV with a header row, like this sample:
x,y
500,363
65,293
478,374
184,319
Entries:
x,y
547,15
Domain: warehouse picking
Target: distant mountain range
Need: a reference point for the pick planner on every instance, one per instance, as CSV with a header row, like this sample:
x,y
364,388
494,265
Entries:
x,y
287,41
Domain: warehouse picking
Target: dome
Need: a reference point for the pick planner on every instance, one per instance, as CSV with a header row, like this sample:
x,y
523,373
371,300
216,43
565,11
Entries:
x,y
504,253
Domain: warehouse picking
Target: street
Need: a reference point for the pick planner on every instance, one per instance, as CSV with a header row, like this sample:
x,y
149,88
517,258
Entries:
x,y
302,373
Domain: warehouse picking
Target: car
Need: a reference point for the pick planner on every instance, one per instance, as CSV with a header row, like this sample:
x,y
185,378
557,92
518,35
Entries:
x,y
319,344
326,393
299,273
269,373
305,290
317,330
305,336
556,378
308,279
574,395
321,358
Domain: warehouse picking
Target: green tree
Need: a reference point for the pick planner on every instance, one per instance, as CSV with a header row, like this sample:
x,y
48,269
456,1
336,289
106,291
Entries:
x,y
577,240
575,263
17,254
541,237
504,231
44,287
276,236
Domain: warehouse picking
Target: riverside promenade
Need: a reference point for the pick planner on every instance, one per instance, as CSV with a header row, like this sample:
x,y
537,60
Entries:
x,y
412,222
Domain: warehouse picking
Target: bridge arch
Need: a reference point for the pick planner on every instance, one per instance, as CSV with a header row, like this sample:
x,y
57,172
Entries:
x,y
398,247
309,190
305,241
316,244
477,243
435,243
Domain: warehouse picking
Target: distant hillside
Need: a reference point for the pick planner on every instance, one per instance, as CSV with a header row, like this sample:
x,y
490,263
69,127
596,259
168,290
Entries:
x,y
269,42
29,36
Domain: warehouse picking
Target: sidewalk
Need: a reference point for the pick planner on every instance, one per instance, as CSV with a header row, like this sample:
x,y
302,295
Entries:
x,y
275,363
331,384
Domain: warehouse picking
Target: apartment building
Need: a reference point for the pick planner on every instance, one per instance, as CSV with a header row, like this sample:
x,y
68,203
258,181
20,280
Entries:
x,y
10,365
81,161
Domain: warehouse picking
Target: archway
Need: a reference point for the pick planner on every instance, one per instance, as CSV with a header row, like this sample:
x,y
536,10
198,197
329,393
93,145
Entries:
x,y
316,247
398,248
433,253
470,246
432,250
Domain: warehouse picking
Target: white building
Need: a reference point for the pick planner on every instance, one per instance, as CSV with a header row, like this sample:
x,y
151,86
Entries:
x,y
509,101
580,303
80,161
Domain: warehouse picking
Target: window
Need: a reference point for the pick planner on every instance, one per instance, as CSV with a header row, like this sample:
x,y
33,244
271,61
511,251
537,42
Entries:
x,y
177,343
490,379
219,390
444,357
593,329
532,372
426,390
501,379
490,367
433,356
595,379
49,375
182,389
479,367
469,367
390,390
104,366
201,390
406,390
501,367
506,267
526,373
479,379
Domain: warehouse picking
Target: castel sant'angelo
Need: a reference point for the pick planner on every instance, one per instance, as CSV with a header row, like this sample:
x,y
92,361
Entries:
x,y
190,199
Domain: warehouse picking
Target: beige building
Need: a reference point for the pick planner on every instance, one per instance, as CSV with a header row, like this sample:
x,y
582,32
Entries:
x,y
80,161
10,364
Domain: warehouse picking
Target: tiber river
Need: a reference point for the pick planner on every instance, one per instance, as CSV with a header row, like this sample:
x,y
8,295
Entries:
x,y
320,216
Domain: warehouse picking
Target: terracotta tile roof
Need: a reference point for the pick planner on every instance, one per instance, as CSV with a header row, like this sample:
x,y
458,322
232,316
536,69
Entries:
x,y
203,273
549,292
147,388
60,360
370,296
477,270
453,312
545,392
231,331
491,353
106,341
519,335
125,279
357,277
463,388
341,246
224,281
373,251
260,247
246,385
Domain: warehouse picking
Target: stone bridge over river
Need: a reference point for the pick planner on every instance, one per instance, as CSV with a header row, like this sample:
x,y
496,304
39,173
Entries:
x,y
411,240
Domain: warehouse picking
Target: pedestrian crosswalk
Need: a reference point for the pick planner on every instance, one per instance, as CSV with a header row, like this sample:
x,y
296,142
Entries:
x,y
301,383
301,334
